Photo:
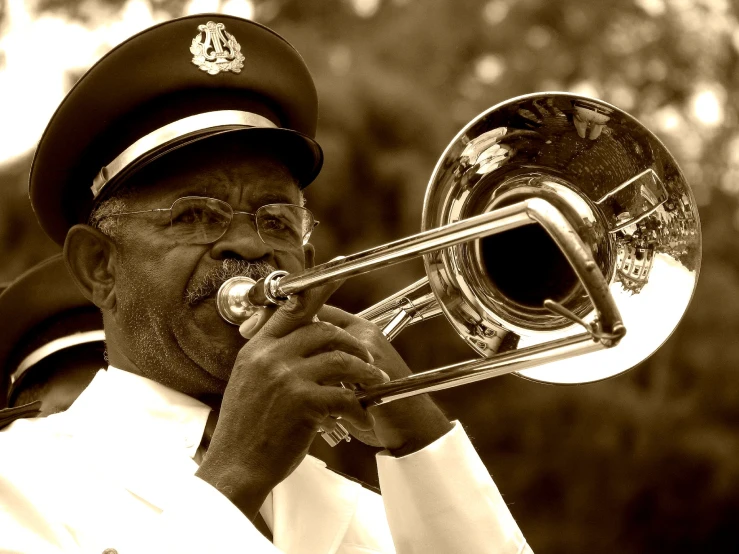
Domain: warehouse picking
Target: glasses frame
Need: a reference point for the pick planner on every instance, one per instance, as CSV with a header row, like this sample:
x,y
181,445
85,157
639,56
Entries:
x,y
254,216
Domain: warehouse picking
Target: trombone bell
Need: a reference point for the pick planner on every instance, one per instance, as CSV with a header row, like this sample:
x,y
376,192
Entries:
x,y
621,190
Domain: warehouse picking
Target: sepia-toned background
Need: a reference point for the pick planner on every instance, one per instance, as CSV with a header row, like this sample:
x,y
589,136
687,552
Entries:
x,y
645,462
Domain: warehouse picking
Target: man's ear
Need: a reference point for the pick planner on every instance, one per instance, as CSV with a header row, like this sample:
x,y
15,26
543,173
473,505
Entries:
x,y
90,257
309,251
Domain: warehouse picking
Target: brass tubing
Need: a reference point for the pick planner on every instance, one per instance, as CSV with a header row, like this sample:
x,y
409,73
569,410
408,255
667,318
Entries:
x,y
477,370
399,321
533,210
398,251
383,310
417,301
581,260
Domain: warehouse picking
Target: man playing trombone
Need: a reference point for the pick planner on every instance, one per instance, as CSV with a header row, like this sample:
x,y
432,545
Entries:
x,y
177,162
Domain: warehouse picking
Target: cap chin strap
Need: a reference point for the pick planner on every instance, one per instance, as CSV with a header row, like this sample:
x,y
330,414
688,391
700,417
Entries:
x,y
52,347
173,132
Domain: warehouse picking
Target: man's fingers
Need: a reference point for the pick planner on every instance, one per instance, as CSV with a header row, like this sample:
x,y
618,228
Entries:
x,y
336,316
343,403
299,310
322,336
331,368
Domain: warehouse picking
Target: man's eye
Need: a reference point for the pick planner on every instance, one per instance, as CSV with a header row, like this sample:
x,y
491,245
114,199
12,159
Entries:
x,y
273,224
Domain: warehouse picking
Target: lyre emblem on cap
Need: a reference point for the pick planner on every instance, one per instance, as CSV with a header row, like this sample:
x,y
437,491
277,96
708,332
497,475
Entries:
x,y
219,52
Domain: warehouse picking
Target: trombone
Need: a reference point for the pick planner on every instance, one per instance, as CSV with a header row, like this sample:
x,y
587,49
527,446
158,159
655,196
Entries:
x,y
551,224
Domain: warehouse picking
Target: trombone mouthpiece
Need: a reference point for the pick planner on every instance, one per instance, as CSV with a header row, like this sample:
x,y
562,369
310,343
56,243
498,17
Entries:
x,y
233,302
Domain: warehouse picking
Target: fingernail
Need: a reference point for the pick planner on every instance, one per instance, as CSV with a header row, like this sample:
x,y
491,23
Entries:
x,y
371,357
384,375
246,328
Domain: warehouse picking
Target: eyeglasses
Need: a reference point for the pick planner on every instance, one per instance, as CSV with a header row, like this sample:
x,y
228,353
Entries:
x,y
201,220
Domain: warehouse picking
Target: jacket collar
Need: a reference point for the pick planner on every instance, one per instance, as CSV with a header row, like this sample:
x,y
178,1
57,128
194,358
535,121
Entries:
x,y
308,512
130,409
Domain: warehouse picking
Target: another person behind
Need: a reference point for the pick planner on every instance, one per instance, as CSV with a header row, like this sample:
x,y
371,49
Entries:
x,y
52,342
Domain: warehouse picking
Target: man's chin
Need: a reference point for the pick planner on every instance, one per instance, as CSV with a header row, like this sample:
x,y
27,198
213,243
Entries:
x,y
218,342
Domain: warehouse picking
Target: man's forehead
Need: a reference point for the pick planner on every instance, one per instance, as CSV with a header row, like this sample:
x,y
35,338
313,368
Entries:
x,y
240,189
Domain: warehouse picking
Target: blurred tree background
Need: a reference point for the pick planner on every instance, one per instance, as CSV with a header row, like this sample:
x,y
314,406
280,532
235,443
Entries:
x,y
648,461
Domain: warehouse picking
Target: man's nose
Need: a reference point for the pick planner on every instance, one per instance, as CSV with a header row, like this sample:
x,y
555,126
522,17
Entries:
x,y
241,240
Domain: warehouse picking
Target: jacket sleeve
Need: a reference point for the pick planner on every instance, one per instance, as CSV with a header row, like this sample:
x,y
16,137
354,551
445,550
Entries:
x,y
222,527
442,500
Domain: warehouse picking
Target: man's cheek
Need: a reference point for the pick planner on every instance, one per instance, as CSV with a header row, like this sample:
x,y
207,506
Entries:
x,y
291,262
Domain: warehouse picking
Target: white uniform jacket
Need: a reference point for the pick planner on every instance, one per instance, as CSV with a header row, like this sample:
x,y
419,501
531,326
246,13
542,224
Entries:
x,y
115,473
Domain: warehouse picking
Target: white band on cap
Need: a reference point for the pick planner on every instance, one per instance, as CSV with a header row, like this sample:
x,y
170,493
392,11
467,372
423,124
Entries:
x,y
172,131
55,346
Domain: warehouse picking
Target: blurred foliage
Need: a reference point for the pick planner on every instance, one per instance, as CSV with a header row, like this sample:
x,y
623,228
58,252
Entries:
x,y
643,462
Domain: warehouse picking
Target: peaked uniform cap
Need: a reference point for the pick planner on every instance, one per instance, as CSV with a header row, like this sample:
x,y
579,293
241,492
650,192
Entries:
x,y
149,82
41,305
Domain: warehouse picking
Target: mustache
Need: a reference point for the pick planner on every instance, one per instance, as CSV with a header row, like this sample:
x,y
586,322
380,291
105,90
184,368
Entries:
x,y
206,286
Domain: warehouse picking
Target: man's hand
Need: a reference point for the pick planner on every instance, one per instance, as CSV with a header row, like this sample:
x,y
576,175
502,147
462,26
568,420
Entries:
x,y
403,426
283,388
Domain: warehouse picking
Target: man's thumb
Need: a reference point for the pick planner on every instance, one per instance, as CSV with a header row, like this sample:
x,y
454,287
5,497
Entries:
x,y
299,310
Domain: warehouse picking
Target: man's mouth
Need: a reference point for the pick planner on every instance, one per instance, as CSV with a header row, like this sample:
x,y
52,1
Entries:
x,y
206,287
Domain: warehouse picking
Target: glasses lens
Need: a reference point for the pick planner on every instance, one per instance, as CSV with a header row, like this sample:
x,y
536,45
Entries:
x,y
197,220
284,226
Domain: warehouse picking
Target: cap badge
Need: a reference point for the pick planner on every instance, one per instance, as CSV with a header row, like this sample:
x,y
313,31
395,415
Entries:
x,y
216,51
